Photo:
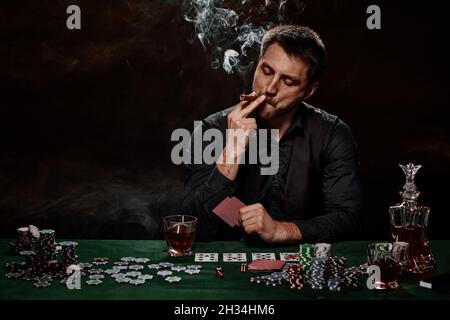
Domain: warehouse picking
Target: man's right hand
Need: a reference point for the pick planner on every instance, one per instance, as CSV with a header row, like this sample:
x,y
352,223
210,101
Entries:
x,y
238,137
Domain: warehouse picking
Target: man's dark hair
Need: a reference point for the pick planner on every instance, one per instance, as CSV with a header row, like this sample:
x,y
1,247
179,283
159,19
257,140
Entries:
x,y
299,41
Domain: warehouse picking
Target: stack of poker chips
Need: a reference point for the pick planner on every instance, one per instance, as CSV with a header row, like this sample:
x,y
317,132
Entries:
x,y
24,242
305,255
352,277
47,245
294,274
68,252
319,273
336,280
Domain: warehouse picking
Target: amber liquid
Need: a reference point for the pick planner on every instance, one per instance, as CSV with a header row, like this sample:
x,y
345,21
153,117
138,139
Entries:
x,y
390,271
420,258
180,237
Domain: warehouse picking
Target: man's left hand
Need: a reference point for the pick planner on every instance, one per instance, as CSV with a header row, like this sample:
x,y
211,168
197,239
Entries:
x,y
255,220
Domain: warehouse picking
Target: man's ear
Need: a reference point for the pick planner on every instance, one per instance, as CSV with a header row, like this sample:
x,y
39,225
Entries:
x,y
312,88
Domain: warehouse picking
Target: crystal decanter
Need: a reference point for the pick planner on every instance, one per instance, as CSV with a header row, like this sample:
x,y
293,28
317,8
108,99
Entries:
x,y
409,224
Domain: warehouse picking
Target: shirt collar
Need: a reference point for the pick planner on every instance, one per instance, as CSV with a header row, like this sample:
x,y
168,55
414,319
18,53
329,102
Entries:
x,y
296,125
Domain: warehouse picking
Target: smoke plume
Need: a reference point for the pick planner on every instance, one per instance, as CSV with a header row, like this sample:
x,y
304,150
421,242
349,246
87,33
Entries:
x,y
233,35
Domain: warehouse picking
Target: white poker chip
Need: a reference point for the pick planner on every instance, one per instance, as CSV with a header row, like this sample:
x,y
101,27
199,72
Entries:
x,y
136,282
123,280
136,267
142,260
145,277
192,271
166,264
127,259
34,231
194,266
178,268
133,273
173,279
164,273
154,266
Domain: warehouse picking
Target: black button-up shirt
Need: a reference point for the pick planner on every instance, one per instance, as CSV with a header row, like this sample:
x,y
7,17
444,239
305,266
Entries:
x,y
316,186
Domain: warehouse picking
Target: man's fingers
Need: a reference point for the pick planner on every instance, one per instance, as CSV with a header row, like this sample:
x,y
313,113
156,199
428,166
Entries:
x,y
252,229
246,110
249,221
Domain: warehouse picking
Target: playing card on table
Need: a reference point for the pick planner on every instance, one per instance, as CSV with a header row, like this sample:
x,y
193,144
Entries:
x,y
228,210
206,257
263,264
289,256
263,255
234,257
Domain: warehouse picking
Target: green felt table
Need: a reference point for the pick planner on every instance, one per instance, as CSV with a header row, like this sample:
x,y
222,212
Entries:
x,y
234,285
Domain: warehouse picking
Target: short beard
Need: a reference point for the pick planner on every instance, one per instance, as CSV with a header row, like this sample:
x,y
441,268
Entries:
x,y
277,113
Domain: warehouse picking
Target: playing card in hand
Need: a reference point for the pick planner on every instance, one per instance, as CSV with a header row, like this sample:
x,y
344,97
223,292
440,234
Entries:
x,y
228,210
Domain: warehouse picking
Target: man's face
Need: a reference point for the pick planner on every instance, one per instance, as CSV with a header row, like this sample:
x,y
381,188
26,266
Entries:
x,y
283,79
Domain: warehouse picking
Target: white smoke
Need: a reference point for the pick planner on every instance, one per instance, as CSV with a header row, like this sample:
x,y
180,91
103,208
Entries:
x,y
228,35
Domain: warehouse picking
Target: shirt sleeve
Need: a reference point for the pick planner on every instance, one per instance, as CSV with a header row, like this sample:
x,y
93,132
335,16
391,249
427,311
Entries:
x,y
205,187
341,187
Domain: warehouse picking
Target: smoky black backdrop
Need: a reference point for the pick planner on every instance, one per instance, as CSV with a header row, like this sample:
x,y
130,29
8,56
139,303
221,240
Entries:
x,y
86,115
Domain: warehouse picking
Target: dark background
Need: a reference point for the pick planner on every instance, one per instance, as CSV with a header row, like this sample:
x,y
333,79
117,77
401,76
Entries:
x,y
86,116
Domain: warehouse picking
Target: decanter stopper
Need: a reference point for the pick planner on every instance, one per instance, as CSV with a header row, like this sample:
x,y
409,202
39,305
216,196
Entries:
x,y
410,191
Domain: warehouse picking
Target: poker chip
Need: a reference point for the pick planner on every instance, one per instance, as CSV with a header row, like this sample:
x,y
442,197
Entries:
x,y
100,259
42,284
322,250
34,231
94,282
95,271
164,273
178,268
173,279
136,282
142,260
111,271
96,276
194,266
133,274
166,264
100,263
85,265
121,263
127,259
136,267
12,275
336,284
192,271
123,280
145,277
154,266
256,279
119,268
